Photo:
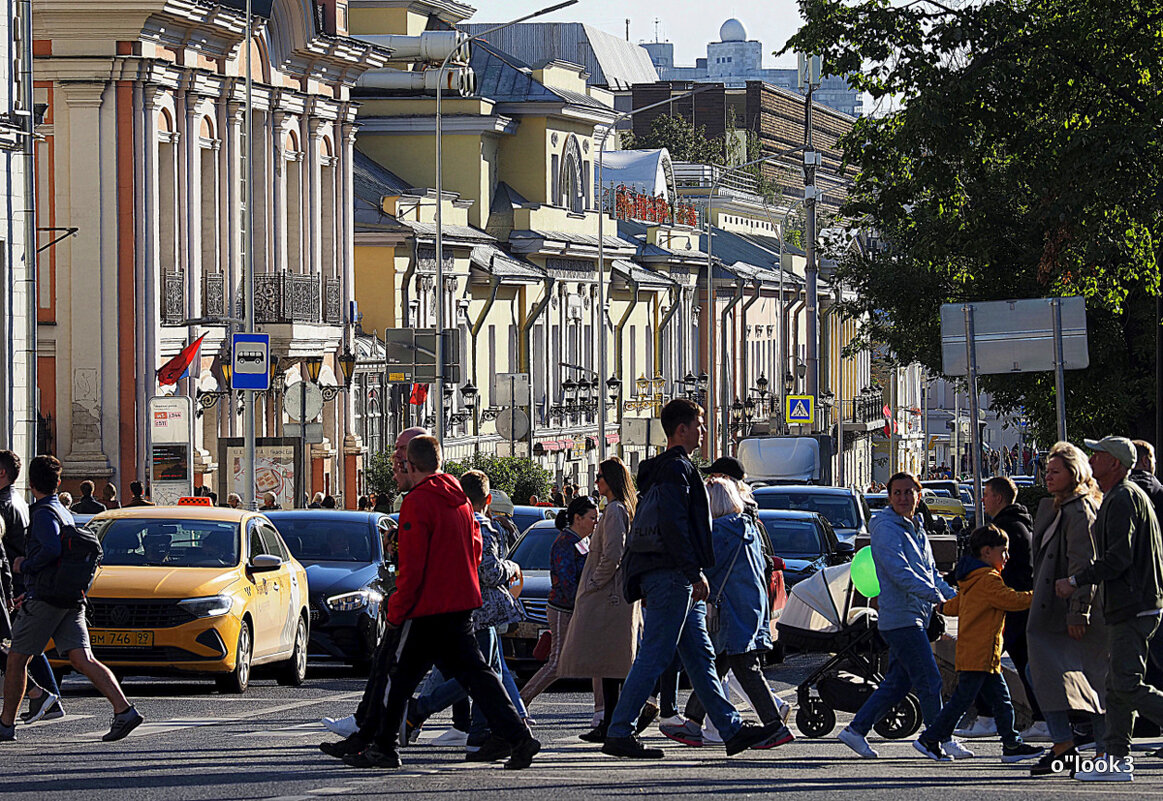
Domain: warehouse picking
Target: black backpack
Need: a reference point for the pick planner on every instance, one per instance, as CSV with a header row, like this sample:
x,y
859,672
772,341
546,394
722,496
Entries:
x,y
66,583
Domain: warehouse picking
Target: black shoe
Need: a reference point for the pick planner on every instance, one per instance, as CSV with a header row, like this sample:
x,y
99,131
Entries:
x,y
410,725
630,747
1020,753
123,724
594,735
493,749
750,734
523,753
341,748
646,717
7,733
1052,763
374,756
42,707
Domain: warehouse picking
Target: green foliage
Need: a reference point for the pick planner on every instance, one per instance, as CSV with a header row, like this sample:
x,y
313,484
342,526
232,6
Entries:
x,y
681,139
515,475
380,478
1024,161
1031,496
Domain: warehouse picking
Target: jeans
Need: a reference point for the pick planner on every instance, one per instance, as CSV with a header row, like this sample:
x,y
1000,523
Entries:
x,y
40,671
440,695
1127,694
751,679
672,621
992,687
667,689
1014,642
911,665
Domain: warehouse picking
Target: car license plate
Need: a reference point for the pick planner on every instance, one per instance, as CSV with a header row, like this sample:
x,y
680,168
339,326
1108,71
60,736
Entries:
x,y
122,639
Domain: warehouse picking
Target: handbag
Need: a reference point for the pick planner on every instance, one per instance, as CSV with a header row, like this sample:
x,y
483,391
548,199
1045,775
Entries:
x,y
541,649
713,621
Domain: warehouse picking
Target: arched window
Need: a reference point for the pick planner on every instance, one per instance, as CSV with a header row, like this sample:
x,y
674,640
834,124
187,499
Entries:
x,y
571,182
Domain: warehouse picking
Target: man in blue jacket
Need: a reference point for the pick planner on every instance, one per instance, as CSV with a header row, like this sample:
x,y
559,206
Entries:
x,y
38,621
910,587
665,571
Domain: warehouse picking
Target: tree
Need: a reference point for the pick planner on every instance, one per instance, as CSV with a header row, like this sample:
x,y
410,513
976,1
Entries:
x,y
682,140
1023,161
380,477
516,476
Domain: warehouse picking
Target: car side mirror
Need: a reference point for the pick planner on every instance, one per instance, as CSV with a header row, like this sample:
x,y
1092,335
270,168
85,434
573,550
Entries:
x,y
845,547
266,561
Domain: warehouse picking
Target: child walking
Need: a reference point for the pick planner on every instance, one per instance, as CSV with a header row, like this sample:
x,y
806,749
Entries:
x,y
980,604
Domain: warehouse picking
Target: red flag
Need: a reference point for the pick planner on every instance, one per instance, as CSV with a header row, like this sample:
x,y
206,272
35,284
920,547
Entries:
x,y
171,371
419,394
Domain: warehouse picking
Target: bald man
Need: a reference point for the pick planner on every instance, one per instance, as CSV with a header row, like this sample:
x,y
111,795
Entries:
x,y
378,678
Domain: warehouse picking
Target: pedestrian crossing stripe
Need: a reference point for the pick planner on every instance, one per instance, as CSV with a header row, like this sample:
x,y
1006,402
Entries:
x,y
799,408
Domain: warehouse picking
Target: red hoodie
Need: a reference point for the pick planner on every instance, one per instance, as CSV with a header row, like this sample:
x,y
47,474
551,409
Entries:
x,y
439,552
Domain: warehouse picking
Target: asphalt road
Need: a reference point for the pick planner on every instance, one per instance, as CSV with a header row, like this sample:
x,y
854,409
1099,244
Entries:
x,y
197,744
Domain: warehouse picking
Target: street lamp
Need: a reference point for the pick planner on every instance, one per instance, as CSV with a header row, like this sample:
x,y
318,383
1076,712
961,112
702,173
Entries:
x,y
613,387
711,285
440,198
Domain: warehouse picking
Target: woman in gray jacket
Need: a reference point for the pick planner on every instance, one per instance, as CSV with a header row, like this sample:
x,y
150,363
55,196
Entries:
x,y
1067,638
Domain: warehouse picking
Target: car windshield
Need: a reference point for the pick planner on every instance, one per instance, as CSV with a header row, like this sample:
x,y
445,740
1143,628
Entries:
x,y
876,501
796,539
313,540
173,543
532,552
941,493
839,510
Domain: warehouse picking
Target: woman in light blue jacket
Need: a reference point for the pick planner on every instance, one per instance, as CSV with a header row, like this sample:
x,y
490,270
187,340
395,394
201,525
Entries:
x,y
744,630
910,587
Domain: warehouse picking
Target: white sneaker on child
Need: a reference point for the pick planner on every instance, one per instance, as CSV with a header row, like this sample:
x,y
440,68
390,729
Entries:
x,y
344,727
956,750
982,727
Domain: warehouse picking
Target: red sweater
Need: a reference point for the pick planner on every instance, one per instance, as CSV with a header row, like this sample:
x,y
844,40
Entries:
x,y
439,552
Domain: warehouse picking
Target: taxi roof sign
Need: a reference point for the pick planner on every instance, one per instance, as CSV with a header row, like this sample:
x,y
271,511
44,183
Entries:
x,y
200,500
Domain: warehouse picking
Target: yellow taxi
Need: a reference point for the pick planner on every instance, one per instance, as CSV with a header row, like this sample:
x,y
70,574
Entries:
x,y
942,504
196,589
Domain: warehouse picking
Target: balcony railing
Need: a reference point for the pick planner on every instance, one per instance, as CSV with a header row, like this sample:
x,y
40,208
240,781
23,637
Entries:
x,y
333,301
865,408
213,295
288,298
173,297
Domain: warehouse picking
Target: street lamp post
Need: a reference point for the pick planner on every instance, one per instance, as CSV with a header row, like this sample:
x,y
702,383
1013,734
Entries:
x,y
602,343
440,201
720,384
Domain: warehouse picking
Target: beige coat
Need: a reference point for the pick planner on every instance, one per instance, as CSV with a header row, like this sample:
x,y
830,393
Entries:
x,y
603,634
1066,673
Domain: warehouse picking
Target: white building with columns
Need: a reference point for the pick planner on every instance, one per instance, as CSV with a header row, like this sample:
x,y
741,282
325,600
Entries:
x,y
143,153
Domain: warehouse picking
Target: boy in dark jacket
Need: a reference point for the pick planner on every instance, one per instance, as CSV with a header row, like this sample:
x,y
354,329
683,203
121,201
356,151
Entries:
x,y
982,601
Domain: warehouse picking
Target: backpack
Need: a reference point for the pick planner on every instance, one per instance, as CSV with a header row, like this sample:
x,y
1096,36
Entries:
x,y
66,583
664,504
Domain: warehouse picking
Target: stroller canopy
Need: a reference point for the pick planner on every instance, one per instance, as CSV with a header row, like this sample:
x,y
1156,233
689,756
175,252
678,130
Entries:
x,y
821,603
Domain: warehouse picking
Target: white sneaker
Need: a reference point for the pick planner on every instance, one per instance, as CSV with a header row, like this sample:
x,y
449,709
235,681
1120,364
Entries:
x,y
673,720
982,727
783,707
1038,732
453,737
857,743
711,734
1107,769
344,727
956,750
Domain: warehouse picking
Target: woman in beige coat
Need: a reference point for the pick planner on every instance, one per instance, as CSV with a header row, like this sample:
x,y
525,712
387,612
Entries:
x,y
602,640
1067,638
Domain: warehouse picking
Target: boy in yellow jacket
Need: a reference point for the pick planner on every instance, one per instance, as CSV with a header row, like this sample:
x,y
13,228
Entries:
x,y
981,603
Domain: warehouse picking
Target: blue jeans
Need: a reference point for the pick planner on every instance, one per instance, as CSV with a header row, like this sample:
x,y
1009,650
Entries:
x,y
911,666
441,693
40,671
672,621
996,694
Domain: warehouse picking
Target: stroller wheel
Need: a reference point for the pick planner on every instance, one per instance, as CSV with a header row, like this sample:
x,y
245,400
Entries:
x,y
814,718
902,721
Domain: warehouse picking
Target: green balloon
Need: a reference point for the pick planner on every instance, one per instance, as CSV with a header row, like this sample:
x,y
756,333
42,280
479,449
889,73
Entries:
x,y
864,573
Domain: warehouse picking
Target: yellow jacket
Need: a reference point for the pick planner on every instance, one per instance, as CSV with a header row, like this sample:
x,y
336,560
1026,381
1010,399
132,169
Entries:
x,y
981,603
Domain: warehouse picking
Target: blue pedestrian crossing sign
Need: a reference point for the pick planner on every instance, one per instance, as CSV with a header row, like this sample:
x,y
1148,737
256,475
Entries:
x,y
800,409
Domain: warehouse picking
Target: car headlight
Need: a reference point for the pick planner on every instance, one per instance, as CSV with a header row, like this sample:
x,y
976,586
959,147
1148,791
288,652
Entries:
x,y
350,601
208,607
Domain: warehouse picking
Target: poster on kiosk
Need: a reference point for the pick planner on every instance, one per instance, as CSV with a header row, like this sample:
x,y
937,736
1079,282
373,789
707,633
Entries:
x,y
171,448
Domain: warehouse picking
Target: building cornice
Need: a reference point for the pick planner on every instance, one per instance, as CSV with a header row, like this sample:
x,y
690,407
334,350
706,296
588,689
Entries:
x,y
450,124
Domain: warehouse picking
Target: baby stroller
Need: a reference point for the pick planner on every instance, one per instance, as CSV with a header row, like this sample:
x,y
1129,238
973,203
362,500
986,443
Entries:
x,y
820,617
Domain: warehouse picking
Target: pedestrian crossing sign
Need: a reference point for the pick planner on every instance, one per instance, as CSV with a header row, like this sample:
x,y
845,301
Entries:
x,y
800,409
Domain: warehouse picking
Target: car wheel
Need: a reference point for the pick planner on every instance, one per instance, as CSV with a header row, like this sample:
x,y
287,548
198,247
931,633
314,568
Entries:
x,y
294,670
238,679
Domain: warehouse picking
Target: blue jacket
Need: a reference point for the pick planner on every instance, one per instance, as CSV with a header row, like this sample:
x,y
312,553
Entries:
x,y
565,568
43,540
744,619
910,585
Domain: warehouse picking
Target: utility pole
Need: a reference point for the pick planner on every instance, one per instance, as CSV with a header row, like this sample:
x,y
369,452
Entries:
x,y
809,75
248,424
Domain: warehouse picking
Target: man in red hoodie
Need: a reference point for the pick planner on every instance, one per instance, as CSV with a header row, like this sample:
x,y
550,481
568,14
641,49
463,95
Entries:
x,y
431,613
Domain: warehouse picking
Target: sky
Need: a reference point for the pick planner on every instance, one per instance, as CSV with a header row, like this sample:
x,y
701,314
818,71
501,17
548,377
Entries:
x,y
686,23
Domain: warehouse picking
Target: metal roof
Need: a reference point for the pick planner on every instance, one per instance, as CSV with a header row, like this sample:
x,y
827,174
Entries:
x,y
503,78
572,238
609,60
736,251
373,181
643,277
462,233
499,263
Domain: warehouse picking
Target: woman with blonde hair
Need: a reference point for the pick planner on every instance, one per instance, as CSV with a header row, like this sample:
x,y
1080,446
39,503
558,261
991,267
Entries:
x,y
1067,637
603,635
743,630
